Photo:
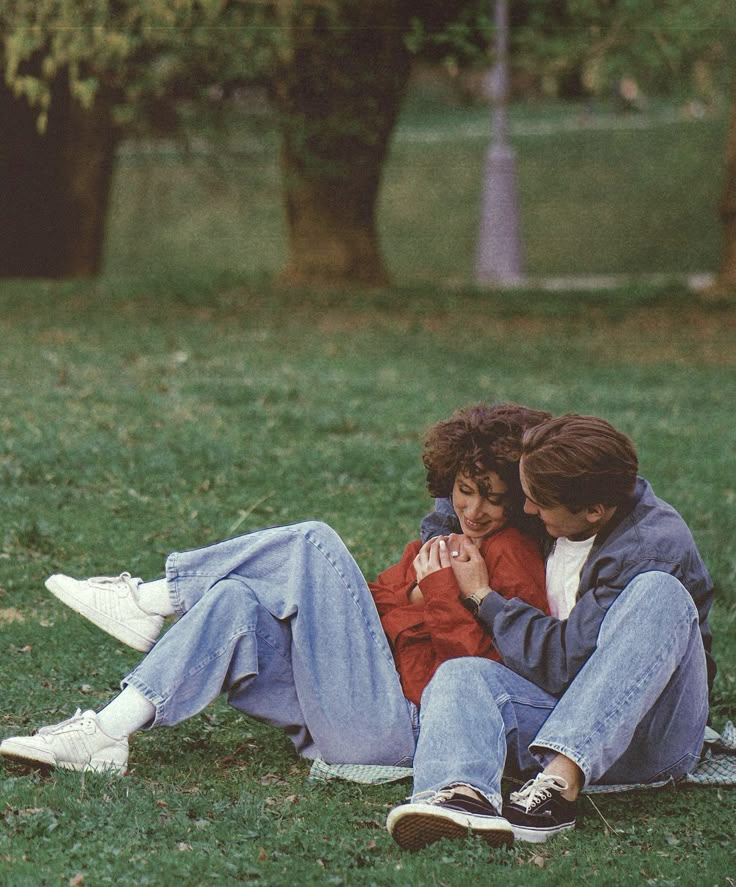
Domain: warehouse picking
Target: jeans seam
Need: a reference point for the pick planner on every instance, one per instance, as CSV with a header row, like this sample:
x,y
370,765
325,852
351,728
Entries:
x,y
315,543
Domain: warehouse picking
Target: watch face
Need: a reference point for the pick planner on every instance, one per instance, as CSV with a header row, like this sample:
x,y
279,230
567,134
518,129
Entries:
x,y
471,604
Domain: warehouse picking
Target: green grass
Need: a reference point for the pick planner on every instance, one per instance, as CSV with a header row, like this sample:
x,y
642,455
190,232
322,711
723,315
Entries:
x,y
155,411
618,195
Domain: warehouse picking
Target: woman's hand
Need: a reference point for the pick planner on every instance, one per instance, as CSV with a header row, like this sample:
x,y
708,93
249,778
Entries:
x,y
469,567
432,556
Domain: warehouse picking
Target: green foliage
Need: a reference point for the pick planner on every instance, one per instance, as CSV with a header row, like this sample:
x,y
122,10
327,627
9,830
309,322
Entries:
x,y
137,50
658,43
144,50
591,41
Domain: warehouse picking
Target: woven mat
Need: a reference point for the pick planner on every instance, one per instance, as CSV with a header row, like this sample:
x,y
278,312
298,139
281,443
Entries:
x,y
717,767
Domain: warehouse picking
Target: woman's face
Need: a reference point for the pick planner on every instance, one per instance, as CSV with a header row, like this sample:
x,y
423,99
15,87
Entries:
x,y
479,504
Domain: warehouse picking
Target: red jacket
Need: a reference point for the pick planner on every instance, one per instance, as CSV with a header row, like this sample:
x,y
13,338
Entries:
x,y
425,634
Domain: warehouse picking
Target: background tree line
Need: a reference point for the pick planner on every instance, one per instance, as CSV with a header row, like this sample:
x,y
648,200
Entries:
x,y
79,78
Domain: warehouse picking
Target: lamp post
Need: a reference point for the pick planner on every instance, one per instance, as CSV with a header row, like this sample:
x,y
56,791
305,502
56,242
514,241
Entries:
x,y
499,259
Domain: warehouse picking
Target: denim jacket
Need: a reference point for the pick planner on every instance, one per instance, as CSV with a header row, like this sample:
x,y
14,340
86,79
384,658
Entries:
x,y
646,535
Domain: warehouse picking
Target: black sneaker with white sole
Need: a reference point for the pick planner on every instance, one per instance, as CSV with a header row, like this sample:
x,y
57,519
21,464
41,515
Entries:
x,y
447,814
538,811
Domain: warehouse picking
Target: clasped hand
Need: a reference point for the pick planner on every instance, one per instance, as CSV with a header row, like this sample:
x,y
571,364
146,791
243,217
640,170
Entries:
x,y
454,551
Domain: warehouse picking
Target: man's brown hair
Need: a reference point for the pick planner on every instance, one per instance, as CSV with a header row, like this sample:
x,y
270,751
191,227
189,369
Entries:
x,y
578,462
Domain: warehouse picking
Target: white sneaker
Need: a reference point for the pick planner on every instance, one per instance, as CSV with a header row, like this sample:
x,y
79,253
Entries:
x,y
111,603
75,744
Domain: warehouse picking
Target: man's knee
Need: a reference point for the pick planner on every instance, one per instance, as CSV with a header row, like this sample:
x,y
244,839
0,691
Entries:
x,y
654,598
660,589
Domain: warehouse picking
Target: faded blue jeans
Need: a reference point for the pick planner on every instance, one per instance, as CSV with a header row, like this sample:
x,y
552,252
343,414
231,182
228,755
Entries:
x,y
282,621
635,712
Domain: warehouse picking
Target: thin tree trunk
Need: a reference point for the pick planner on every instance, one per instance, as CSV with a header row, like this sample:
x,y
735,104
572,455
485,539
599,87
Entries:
x,y
727,274
339,97
54,188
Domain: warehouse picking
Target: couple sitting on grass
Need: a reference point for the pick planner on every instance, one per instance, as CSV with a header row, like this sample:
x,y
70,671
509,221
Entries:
x,y
552,627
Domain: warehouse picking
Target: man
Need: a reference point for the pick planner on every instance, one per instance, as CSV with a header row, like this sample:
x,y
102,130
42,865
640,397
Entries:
x,y
611,688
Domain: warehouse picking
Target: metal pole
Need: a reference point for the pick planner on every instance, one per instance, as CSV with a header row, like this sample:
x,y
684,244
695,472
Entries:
x,y
499,258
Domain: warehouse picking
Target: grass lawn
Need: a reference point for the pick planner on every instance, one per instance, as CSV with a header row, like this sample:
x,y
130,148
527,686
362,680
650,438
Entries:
x,y
149,412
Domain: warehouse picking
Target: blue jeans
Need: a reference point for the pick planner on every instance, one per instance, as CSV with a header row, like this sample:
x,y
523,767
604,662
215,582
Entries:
x,y
282,621
635,712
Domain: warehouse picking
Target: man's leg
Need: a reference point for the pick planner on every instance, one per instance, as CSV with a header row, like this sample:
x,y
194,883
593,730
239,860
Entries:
x,y
477,720
635,713
646,680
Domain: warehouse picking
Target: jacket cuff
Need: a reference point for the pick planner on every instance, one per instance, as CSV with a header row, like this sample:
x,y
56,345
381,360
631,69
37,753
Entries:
x,y
439,583
490,607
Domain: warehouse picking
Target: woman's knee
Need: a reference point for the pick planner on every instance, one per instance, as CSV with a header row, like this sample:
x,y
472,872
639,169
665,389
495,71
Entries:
x,y
317,530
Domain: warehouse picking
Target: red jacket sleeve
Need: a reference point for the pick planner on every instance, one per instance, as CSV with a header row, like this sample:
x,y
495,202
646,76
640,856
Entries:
x,y
391,595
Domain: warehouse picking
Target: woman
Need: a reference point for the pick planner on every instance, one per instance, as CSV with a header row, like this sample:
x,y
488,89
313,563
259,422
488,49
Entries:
x,y
472,459
283,621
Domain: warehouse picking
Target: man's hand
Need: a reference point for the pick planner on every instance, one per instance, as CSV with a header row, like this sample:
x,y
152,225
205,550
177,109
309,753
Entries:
x,y
469,568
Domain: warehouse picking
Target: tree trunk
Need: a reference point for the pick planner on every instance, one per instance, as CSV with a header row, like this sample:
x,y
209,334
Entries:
x,y
54,188
339,97
727,274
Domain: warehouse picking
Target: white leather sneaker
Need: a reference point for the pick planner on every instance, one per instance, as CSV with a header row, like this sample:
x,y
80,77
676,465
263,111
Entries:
x,y
111,603
75,744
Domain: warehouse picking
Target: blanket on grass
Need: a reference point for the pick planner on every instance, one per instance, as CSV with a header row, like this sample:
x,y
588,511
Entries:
x,y
717,766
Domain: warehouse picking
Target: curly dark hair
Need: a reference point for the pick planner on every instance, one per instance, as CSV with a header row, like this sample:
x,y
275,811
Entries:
x,y
478,439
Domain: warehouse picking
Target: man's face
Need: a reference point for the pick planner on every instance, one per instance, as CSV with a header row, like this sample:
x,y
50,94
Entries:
x,y
558,520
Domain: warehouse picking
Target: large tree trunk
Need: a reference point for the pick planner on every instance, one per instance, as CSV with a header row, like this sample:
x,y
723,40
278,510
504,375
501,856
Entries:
x,y
339,96
727,274
54,188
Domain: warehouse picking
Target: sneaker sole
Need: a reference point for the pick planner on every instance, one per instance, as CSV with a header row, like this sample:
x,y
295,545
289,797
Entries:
x,y
416,829
34,758
539,835
118,630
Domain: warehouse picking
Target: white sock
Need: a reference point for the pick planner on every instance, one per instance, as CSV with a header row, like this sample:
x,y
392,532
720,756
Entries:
x,y
126,713
154,597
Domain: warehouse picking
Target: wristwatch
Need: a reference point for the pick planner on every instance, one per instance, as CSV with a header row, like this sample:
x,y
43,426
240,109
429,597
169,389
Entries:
x,y
473,602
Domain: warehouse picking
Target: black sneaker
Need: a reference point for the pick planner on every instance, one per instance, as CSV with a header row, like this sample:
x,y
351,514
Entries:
x,y
538,811
446,814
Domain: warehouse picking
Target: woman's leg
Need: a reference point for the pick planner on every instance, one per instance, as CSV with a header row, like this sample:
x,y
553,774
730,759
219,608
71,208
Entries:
x,y
292,635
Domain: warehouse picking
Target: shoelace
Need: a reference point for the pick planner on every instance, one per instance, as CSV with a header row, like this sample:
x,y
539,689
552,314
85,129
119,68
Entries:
x,y
77,716
124,581
432,797
537,790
